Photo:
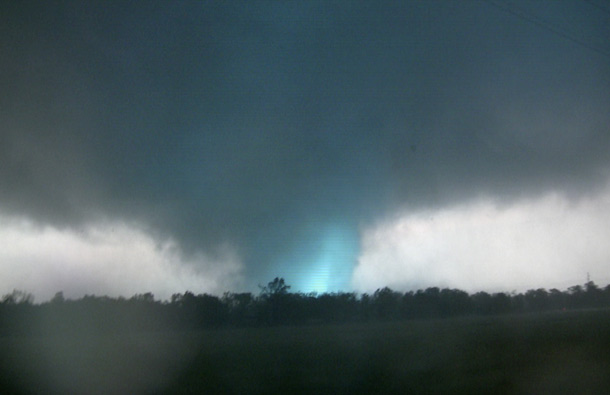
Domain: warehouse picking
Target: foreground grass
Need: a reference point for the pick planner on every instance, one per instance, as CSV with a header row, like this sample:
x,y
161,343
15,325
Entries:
x,y
547,353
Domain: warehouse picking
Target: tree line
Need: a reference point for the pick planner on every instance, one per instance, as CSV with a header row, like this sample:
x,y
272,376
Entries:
x,y
275,305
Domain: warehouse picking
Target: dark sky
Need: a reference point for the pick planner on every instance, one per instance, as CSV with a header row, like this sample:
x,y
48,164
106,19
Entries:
x,y
282,131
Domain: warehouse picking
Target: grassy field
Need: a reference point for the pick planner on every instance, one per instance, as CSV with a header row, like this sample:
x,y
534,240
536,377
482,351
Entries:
x,y
566,352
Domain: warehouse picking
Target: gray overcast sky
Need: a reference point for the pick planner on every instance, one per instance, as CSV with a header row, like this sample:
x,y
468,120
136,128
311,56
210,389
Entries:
x,y
238,141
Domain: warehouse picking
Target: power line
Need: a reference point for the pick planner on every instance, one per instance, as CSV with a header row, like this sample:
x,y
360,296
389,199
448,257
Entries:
x,y
536,20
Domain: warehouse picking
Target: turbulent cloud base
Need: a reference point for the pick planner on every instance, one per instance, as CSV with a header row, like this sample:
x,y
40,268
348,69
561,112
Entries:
x,y
548,241
114,259
262,125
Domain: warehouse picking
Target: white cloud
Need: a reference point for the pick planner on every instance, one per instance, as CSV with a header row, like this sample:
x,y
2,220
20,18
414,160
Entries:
x,y
110,259
544,242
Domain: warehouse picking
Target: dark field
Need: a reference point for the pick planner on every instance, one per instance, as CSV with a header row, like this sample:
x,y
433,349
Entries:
x,y
567,352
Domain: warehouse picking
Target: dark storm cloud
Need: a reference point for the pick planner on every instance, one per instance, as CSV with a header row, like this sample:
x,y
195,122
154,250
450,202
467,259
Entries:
x,y
247,123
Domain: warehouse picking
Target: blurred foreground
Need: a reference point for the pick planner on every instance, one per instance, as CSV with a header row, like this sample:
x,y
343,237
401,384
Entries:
x,y
552,352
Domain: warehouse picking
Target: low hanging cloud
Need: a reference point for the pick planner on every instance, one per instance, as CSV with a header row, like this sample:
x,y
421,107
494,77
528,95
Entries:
x,y
549,241
114,259
260,126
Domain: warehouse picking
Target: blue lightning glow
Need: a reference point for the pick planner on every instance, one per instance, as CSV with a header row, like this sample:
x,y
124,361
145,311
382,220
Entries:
x,y
330,266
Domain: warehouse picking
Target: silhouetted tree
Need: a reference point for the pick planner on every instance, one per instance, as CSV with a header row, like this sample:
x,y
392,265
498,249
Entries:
x,y
274,305
58,298
606,295
276,287
200,310
241,307
18,297
593,295
537,300
453,302
482,303
275,299
557,299
500,303
576,296
145,298
366,304
386,303
427,302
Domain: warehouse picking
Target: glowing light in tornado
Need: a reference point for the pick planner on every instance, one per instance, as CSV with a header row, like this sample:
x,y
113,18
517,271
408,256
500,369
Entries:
x,y
332,264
